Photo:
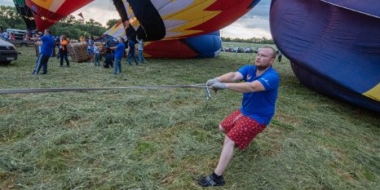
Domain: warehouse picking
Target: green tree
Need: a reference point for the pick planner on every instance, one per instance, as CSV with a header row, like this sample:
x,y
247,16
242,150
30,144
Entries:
x,y
9,18
69,20
111,23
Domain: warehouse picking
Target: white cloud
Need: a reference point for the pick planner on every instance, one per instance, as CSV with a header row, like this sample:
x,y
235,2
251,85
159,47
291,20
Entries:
x,y
253,24
99,10
7,2
248,28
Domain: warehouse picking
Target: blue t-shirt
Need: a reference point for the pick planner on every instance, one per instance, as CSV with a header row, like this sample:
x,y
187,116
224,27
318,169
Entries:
x,y
119,51
47,45
260,106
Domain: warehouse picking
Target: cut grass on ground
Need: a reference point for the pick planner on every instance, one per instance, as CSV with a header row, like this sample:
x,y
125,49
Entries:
x,y
167,138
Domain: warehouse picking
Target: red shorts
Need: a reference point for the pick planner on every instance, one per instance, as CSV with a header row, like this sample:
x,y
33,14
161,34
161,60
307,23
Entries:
x,y
241,129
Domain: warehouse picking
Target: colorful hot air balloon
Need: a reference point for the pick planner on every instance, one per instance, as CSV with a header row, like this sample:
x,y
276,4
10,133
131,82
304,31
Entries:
x,y
333,46
179,29
153,20
201,46
48,12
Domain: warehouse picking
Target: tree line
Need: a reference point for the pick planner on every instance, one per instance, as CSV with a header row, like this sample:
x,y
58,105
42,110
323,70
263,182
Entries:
x,y
262,40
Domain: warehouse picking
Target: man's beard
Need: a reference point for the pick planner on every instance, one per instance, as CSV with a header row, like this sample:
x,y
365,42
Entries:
x,y
262,68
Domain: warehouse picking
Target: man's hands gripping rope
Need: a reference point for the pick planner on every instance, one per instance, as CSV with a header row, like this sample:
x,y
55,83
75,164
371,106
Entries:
x,y
212,81
216,85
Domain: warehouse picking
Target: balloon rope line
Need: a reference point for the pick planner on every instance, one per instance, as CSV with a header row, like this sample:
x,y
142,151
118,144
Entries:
x,y
46,90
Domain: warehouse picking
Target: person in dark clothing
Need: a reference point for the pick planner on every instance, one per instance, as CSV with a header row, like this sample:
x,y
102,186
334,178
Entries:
x,y
279,55
131,52
57,44
63,51
108,62
45,53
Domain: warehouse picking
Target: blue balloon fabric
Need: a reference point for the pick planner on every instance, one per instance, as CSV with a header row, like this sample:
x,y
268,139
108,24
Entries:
x,y
333,46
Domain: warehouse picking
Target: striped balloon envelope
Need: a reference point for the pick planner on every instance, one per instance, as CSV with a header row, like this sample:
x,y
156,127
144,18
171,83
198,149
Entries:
x,y
153,20
179,29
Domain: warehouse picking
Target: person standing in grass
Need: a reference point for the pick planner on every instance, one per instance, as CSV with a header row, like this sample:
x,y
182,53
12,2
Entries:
x,y
45,53
109,58
96,55
119,53
131,52
259,89
63,51
140,49
279,55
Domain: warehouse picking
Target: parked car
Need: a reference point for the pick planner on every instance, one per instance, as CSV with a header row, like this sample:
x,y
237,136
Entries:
x,y
249,50
25,43
19,34
8,52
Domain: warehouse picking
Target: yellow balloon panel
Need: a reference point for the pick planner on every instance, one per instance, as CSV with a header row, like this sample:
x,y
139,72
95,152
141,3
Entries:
x,y
50,5
374,93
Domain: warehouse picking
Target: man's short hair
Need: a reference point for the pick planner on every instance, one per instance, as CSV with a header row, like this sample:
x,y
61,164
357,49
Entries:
x,y
273,51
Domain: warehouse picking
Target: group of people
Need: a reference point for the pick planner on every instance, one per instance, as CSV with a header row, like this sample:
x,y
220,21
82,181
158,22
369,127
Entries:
x,y
47,49
5,35
92,49
120,48
259,88
113,55
8,36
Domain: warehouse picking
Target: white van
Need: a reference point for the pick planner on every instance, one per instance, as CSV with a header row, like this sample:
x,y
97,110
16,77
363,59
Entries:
x,y
19,34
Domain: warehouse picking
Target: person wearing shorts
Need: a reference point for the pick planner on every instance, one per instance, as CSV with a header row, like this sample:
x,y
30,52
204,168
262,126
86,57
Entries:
x,y
259,89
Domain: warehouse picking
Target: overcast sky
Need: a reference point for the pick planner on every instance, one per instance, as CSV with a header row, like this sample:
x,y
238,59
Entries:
x,y
254,24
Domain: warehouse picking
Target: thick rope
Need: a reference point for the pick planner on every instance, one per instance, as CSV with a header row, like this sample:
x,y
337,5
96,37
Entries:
x,y
46,90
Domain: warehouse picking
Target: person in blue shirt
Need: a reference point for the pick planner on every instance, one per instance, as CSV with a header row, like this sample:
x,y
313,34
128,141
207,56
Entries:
x,y
119,54
46,51
259,89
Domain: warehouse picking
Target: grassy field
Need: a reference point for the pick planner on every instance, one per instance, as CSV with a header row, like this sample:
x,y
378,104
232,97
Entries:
x,y
167,138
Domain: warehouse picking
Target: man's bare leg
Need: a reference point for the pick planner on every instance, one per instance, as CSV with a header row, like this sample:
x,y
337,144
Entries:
x,y
225,156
